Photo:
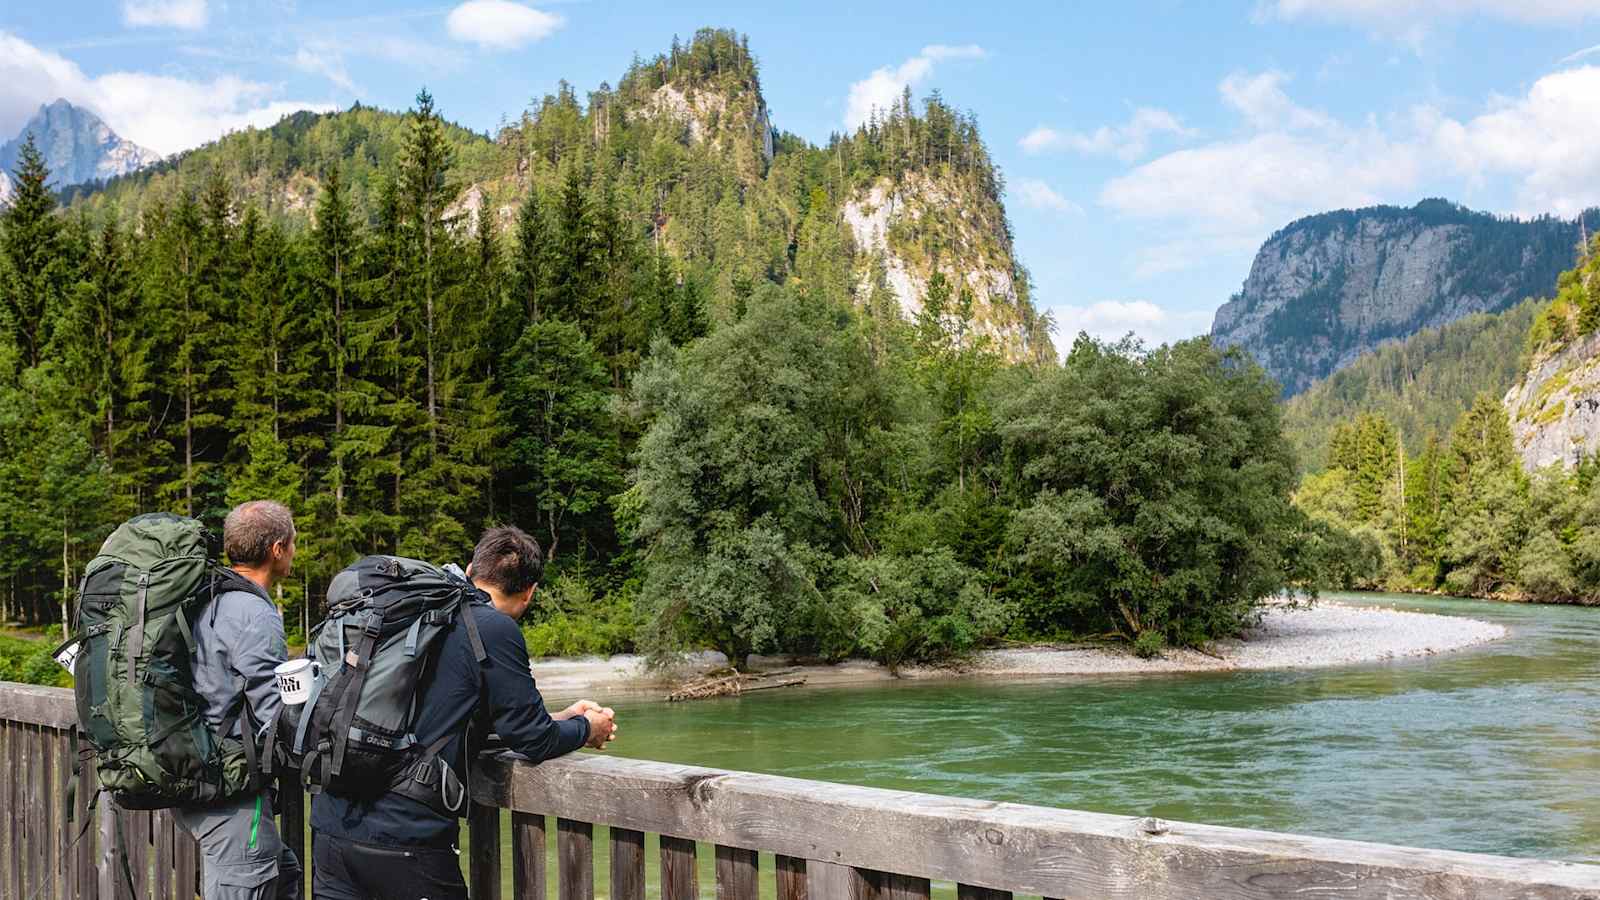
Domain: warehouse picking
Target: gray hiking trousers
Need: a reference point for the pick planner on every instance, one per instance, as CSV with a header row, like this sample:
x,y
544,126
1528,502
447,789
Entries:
x,y
244,858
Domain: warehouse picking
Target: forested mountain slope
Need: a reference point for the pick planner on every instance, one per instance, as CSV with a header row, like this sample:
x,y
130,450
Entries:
x,y
685,154
1420,384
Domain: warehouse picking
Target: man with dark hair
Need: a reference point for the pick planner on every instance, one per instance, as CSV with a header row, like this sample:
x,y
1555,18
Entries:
x,y
401,845
237,644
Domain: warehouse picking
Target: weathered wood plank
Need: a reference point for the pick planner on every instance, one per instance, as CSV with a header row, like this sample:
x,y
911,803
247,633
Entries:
x,y
185,864
892,886
831,881
680,878
15,774
49,836
791,878
972,892
627,864
738,874
575,856
483,843
66,823
162,845
84,855
1028,849
528,864
139,851
33,815
51,707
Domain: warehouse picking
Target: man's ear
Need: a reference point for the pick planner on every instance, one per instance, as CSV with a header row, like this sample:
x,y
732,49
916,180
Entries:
x,y
468,573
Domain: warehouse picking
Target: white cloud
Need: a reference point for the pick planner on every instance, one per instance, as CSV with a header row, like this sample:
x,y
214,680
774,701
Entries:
x,y
1036,194
325,59
882,89
1127,141
1227,196
188,14
1264,104
1547,140
1581,54
162,112
500,24
1110,320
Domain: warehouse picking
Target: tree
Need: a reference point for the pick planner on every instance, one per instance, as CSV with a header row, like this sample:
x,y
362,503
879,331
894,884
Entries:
x,y
1159,485
35,272
728,507
563,457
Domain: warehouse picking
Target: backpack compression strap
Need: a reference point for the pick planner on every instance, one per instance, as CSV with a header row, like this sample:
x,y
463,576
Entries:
x,y
361,662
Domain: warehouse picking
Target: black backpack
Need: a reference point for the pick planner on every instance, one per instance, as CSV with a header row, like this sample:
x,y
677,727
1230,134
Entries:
x,y
387,616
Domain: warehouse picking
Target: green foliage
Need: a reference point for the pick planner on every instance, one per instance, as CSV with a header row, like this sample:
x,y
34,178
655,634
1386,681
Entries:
x,y
1418,384
1159,486
570,620
925,606
28,661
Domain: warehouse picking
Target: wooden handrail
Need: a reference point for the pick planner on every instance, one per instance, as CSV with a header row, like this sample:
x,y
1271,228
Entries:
x,y
830,840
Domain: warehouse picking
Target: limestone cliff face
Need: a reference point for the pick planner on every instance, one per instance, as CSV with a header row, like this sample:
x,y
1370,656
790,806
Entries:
x,y
1555,408
1328,288
888,223
712,115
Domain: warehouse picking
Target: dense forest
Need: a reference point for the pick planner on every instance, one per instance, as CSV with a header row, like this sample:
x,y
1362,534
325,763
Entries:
x,y
719,444
1455,510
1419,384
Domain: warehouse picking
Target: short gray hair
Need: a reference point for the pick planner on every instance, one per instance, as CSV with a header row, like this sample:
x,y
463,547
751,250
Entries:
x,y
252,528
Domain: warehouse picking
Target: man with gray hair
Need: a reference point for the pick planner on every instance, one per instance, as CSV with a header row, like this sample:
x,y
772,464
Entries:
x,y
237,644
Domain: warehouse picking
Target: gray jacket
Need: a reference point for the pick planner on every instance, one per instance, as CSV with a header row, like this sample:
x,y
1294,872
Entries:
x,y
237,643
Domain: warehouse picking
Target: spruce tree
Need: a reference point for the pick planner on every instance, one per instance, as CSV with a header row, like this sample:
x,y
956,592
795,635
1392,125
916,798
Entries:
x,y
36,268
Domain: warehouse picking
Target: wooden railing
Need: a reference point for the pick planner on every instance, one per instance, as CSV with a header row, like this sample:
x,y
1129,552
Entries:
x,y
828,840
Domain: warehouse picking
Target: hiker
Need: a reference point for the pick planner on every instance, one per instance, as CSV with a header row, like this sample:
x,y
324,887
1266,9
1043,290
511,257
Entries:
x,y
401,844
237,642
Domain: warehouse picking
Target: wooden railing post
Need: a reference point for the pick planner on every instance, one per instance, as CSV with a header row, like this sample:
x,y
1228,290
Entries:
x,y
528,866
575,851
791,878
483,842
627,864
680,878
737,873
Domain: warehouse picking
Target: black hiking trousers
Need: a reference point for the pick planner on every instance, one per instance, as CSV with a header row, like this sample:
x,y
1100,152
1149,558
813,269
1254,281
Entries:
x,y
350,870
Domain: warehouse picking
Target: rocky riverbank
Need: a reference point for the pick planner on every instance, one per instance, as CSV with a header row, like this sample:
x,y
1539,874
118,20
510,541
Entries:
x,y
1328,634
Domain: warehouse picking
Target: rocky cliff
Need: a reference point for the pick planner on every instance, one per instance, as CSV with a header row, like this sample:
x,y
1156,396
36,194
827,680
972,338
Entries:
x,y
1554,407
77,146
1328,288
889,224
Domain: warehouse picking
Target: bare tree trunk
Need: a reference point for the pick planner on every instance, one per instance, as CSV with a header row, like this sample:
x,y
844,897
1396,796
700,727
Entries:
x,y
66,575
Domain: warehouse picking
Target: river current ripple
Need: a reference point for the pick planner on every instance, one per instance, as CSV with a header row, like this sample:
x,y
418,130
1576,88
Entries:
x,y
1495,749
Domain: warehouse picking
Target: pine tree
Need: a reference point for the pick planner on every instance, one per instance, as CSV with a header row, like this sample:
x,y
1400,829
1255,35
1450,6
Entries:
x,y
36,268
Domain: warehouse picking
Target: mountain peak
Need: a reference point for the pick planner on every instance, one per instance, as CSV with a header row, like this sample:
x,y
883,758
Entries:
x,y
77,145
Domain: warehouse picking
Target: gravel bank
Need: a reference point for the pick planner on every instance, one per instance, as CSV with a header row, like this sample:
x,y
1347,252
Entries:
x,y
1328,634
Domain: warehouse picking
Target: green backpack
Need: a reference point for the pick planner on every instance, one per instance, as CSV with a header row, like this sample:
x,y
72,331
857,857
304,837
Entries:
x,y
137,706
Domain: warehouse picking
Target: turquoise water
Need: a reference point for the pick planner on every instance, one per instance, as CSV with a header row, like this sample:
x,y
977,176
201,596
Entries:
x,y
1494,749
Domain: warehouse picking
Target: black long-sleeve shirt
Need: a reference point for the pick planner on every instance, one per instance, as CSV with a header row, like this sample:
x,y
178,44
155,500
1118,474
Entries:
x,y
447,704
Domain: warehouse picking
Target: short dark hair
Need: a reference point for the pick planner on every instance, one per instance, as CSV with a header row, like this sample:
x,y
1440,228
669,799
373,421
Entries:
x,y
507,558
252,528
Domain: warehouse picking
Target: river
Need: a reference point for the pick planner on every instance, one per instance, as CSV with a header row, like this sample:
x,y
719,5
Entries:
x,y
1494,749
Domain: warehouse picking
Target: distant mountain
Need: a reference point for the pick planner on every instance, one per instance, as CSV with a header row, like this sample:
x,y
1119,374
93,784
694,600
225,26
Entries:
x,y
1328,288
6,189
77,147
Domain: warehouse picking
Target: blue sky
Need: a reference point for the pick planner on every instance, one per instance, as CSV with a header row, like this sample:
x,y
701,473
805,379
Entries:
x,y
1149,147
